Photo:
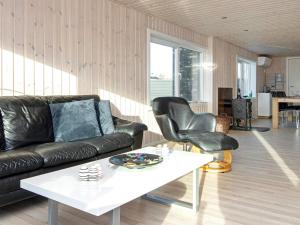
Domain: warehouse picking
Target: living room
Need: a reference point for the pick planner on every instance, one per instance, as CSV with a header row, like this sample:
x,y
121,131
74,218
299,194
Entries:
x,y
230,64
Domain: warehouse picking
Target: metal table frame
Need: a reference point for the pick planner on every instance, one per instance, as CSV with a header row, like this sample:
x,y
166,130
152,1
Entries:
x,y
115,213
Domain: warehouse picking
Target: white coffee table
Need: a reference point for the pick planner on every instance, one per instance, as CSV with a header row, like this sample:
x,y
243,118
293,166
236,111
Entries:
x,y
118,186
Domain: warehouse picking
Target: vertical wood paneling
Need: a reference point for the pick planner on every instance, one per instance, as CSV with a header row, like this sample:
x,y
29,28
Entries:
x,y
29,47
74,21
57,45
38,50
81,47
123,71
81,77
95,48
65,47
48,46
39,37
100,23
8,53
225,74
278,66
88,46
19,70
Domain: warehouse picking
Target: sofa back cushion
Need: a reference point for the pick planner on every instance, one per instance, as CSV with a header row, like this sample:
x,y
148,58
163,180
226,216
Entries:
x,y
74,120
26,120
105,117
69,98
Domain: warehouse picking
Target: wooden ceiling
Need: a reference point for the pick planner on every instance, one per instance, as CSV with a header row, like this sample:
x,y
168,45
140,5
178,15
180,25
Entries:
x,y
269,27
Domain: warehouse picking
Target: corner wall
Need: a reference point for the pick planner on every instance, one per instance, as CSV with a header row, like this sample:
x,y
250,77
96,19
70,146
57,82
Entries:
x,y
278,65
122,74
54,47
225,74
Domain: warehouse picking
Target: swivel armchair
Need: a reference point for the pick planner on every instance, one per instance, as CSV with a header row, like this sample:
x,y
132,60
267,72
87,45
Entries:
x,y
179,123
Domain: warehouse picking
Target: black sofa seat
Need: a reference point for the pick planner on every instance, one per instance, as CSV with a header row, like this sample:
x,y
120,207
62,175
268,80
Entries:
x,y
109,142
55,154
10,184
19,161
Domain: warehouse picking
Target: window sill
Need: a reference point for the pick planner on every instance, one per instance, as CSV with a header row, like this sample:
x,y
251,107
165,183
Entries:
x,y
197,102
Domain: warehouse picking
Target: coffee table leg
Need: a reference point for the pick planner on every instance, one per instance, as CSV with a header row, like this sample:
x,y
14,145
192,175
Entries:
x,y
194,206
115,216
196,197
52,212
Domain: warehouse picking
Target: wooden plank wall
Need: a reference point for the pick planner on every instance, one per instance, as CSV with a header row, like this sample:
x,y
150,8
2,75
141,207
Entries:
x,y
278,66
225,74
54,47
123,79
35,47
89,46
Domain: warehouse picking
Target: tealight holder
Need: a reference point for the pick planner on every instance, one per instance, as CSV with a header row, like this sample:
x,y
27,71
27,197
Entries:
x,y
92,173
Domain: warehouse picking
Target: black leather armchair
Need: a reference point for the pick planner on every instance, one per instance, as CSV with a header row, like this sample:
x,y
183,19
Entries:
x,y
179,123
176,119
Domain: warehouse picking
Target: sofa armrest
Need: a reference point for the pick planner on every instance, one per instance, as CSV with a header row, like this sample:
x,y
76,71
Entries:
x,y
129,127
134,129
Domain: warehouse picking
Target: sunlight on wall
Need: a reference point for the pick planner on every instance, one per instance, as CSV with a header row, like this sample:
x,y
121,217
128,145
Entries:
x,y
131,109
25,76
294,179
209,66
7,71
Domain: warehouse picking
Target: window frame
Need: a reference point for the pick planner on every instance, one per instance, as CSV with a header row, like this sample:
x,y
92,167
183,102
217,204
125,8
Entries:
x,y
253,82
164,39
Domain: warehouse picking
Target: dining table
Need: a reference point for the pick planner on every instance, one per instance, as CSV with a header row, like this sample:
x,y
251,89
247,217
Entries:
x,y
275,107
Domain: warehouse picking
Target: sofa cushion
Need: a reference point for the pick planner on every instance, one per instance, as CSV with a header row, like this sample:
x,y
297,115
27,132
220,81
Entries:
x,y
105,117
109,142
12,183
19,161
69,98
26,120
54,154
74,120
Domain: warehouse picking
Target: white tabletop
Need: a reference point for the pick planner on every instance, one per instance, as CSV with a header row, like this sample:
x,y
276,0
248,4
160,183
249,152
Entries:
x,y
118,186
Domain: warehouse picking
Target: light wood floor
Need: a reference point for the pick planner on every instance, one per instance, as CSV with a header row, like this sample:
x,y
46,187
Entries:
x,y
262,189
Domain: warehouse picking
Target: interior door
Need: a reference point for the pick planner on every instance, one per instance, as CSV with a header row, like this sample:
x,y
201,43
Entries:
x,y
294,76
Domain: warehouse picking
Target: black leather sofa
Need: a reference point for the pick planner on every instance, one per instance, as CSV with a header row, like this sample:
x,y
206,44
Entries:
x,y
37,154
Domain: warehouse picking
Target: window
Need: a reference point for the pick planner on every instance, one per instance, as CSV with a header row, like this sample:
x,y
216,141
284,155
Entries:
x,y
175,70
246,77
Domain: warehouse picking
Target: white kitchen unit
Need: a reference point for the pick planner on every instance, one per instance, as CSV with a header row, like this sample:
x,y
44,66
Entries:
x,y
264,105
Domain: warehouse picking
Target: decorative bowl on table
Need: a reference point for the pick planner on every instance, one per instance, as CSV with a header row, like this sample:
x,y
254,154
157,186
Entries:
x,y
135,160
